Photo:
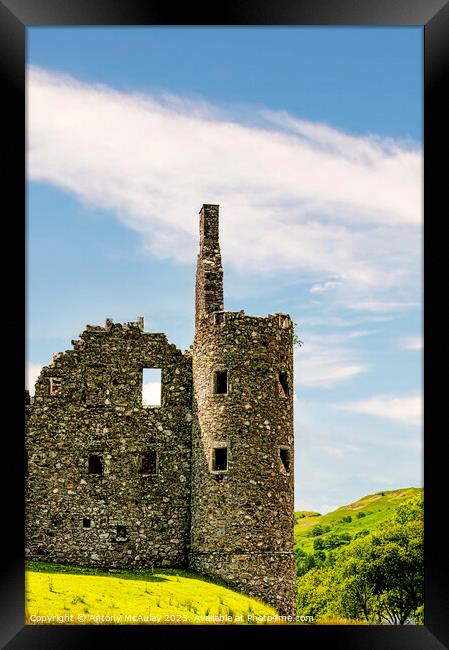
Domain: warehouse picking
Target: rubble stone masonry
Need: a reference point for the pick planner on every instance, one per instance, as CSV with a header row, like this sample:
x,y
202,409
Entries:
x,y
204,480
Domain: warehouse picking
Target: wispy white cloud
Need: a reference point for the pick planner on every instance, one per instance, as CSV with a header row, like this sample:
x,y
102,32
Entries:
x,y
326,360
407,409
339,450
325,370
382,305
32,372
334,321
294,195
325,286
351,458
412,343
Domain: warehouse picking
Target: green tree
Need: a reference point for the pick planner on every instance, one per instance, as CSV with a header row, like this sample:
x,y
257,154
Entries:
x,y
354,594
378,577
398,564
319,557
313,593
318,529
381,576
334,540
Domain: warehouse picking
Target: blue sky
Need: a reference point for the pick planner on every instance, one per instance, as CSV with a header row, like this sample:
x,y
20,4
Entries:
x,y
310,139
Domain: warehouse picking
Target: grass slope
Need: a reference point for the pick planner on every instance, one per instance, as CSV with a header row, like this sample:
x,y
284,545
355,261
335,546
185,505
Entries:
x,y
375,508
170,596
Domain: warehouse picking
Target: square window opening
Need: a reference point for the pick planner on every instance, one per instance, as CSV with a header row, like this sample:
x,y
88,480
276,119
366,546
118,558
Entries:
x,y
148,465
86,523
55,386
96,464
220,459
219,318
220,382
151,386
121,532
283,386
285,459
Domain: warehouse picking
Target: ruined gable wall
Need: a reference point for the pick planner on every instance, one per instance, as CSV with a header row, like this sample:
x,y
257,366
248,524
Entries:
x,y
100,409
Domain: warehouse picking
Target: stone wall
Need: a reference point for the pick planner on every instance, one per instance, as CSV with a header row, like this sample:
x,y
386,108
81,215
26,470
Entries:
x,y
97,408
243,517
204,480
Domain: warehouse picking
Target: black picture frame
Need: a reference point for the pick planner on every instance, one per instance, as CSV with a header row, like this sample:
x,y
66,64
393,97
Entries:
x,y
433,16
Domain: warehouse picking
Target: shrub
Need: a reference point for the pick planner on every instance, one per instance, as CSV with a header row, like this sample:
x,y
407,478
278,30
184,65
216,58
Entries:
x,y
331,541
304,561
316,530
319,558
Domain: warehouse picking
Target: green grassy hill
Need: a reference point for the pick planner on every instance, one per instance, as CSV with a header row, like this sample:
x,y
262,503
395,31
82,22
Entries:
x,y
363,515
72,595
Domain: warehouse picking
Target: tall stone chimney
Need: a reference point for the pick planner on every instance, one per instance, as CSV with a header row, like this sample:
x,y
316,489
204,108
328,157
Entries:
x,y
242,482
209,271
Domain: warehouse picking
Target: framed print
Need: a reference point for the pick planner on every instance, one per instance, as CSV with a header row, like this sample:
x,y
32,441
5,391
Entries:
x,y
232,261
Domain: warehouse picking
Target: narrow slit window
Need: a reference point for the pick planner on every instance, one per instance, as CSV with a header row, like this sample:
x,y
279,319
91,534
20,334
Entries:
x,y
96,464
55,386
285,459
148,463
151,387
283,384
121,532
220,382
86,523
220,459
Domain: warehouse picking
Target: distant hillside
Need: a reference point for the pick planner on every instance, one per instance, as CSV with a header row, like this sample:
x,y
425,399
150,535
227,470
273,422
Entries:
x,y
348,521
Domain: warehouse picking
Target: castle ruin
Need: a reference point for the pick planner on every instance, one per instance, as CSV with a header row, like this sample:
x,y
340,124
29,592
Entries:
x,y
203,479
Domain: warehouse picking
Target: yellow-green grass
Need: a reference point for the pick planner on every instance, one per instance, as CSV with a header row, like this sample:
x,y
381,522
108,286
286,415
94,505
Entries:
x,y
376,508
57,594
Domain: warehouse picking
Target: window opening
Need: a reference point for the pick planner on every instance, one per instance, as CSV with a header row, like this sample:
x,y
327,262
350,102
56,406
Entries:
x,y
148,465
283,384
285,458
55,386
151,386
95,464
121,532
221,382
220,459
